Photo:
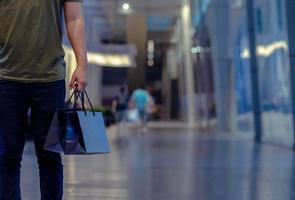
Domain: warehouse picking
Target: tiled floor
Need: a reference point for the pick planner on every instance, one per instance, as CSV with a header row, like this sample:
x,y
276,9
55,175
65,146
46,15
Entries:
x,y
174,164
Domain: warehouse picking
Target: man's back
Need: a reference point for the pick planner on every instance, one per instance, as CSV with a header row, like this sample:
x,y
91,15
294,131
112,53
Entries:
x,y
140,98
30,40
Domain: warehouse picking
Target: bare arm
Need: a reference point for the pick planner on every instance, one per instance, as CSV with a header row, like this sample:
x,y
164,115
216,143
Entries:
x,y
114,106
74,20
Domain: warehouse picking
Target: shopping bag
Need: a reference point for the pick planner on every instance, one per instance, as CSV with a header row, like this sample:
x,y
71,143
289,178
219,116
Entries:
x,y
77,131
132,115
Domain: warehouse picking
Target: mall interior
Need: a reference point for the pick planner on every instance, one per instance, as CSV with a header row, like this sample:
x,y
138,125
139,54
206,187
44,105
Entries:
x,y
222,77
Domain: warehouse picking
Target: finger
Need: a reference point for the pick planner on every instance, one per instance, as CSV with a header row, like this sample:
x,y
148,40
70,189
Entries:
x,y
76,84
80,88
82,85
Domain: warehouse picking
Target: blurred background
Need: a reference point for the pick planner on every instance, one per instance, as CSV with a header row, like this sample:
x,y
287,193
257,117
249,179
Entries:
x,y
218,75
209,63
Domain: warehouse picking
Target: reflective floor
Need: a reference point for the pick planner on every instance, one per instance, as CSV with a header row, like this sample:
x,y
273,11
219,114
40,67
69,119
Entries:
x,y
174,164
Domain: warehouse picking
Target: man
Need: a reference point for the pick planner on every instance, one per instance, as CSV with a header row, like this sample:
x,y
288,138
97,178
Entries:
x,y
142,100
119,104
32,73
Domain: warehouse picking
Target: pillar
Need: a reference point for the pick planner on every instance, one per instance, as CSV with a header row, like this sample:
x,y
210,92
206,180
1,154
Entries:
x,y
189,83
290,6
136,32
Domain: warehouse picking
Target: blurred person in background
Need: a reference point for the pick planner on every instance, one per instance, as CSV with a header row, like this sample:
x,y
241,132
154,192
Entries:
x,y
150,105
32,76
119,104
142,100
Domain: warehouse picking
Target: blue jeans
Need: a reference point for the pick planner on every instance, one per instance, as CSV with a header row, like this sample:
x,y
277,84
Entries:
x,y
143,115
15,101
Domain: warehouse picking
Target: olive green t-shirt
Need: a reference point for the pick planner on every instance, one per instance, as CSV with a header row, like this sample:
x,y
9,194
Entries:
x,y
31,40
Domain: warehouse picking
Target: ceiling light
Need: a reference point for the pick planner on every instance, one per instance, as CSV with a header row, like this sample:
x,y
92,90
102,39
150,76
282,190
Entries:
x,y
126,6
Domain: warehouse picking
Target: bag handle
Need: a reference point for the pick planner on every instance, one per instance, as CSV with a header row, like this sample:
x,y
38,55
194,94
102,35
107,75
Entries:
x,y
91,106
80,95
75,95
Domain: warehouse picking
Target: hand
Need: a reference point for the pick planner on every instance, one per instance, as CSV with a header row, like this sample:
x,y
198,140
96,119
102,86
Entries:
x,y
79,77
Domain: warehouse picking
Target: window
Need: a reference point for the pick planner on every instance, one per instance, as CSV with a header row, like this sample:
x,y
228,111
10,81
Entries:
x,y
259,21
280,14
